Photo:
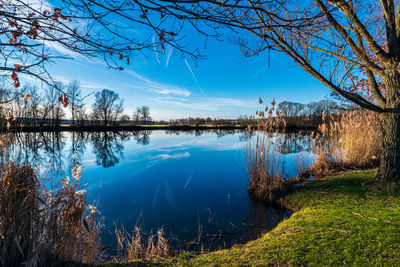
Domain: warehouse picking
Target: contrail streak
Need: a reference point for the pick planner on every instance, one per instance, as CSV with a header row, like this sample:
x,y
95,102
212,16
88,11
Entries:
x,y
170,51
155,50
194,77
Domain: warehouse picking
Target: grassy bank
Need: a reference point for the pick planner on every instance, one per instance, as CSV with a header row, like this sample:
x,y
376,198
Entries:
x,y
343,219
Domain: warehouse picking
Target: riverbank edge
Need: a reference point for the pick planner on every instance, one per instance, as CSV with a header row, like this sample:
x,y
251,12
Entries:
x,y
340,219
142,128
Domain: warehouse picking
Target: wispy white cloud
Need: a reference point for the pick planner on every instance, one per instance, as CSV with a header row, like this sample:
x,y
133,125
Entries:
x,y
205,103
84,83
194,76
93,85
171,156
155,87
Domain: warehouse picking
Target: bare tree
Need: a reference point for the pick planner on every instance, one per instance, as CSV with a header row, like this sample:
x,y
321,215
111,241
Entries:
x,y
144,112
35,33
335,41
52,111
81,116
107,106
75,99
136,116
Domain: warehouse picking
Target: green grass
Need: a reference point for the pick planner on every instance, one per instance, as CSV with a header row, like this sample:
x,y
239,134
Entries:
x,y
153,125
344,219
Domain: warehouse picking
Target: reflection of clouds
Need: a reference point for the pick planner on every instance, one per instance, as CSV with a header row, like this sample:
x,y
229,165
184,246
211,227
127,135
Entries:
x,y
206,143
171,156
88,162
203,103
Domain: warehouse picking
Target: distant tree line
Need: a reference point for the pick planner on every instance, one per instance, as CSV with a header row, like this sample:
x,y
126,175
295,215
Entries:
x,y
34,107
202,121
47,107
289,109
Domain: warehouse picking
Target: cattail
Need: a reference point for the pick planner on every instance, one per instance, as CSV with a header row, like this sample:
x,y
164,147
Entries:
x,y
27,97
273,103
15,112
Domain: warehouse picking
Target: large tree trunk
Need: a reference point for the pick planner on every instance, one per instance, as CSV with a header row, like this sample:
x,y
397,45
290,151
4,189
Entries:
x,y
389,169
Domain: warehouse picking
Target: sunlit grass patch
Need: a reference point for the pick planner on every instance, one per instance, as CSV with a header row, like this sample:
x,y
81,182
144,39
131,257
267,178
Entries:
x,y
154,125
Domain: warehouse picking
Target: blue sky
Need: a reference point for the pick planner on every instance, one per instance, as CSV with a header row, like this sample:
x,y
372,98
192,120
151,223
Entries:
x,y
225,85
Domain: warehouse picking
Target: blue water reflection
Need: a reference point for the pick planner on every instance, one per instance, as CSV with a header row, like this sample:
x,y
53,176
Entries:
x,y
193,184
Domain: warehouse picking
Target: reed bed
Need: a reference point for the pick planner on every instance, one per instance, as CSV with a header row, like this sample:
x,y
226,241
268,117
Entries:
x,y
136,246
265,168
41,226
264,163
351,141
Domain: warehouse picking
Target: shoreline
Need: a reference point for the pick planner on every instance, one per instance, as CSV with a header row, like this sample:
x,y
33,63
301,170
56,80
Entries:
x,y
338,217
144,128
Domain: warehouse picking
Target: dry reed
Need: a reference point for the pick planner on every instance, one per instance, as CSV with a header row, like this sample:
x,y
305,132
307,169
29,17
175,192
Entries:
x,y
264,163
39,226
134,246
350,141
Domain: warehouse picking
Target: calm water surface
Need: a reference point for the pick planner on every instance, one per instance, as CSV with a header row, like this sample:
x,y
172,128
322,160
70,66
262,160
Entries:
x,y
192,184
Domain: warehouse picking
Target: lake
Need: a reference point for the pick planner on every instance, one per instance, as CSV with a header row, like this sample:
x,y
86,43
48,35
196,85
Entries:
x,y
191,184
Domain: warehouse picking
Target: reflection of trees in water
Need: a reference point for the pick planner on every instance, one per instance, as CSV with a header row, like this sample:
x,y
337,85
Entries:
x,y
246,136
223,132
78,147
285,143
53,147
294,142
199,132
142,137
42,148
262,218
213,232
49,148
108,148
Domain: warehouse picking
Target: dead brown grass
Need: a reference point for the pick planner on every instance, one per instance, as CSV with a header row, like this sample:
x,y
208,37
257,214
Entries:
x,y
351,141
264,166
134,246
264,163
41,226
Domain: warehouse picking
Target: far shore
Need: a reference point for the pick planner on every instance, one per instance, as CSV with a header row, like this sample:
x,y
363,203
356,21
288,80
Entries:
x,y
92,128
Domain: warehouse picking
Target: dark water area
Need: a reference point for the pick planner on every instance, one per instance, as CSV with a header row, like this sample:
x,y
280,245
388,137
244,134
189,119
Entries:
x,y
191,184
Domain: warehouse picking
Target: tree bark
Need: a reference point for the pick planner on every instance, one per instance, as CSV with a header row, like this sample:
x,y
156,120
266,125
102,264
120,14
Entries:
x,y
389,169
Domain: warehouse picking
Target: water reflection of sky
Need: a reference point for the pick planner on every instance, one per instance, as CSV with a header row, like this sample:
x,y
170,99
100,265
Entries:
x,y
191,185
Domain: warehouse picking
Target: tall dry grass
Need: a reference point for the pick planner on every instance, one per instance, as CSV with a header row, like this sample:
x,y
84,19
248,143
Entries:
x,y
137,246
41,226
265,168
264,163
350,141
